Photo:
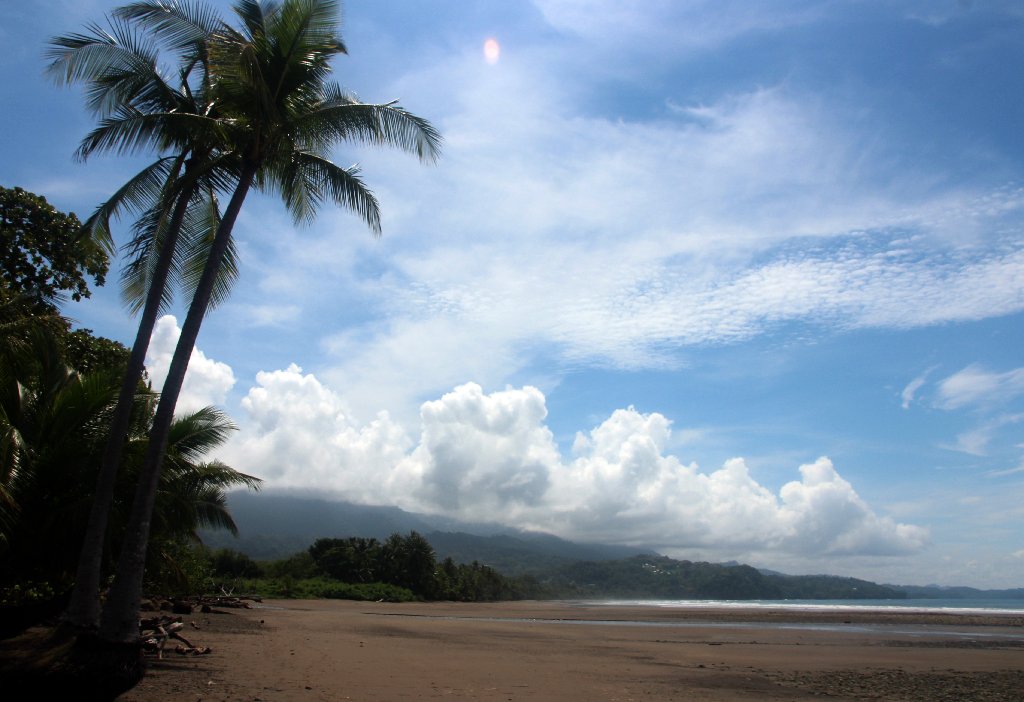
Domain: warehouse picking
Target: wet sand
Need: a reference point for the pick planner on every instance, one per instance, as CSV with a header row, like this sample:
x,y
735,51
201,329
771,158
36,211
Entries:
x,y
335,650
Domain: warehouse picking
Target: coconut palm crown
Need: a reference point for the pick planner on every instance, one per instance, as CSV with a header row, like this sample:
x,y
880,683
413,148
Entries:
x,y
280,118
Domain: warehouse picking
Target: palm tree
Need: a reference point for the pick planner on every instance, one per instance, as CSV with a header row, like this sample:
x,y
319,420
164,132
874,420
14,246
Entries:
x,y
281,116
51,418
192,493
139,106
53,425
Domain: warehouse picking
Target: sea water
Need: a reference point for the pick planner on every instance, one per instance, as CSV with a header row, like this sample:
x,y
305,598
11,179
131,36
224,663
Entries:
x,y
952,605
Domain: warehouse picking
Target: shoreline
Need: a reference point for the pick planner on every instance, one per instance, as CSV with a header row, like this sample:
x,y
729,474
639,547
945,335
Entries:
x,y
290,650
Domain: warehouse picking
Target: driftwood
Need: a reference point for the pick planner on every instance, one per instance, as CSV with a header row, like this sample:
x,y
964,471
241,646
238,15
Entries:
x,y
157,631
205,603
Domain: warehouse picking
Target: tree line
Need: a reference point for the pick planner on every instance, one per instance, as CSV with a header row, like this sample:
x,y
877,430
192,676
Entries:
x,y
406,564
661,577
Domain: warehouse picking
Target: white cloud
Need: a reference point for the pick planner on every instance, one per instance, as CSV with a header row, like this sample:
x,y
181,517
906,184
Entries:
x,y
268,315
976,441
670,25
491,457
549,234
910,391
975,385
616,243
207,382
1004,473
299,434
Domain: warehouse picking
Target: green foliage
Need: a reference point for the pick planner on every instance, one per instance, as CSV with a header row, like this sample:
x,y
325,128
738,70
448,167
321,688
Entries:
x,y
660,577
44,254
301,566
830,587
408,562
27,592
86,352
663,578
54,423
226,563
325,588
176,567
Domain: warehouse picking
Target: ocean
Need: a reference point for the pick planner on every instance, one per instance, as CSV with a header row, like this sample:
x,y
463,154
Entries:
x,y
959,605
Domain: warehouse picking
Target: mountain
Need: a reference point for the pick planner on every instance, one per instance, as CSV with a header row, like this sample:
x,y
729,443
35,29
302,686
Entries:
x,y
660,577
277,525
525,553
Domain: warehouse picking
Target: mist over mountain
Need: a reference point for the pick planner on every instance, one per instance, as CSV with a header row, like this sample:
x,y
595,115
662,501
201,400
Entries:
x,y
276,525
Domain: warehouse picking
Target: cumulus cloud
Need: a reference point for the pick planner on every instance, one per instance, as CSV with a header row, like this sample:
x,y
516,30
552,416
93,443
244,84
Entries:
x,y
207,382
491,456
299,434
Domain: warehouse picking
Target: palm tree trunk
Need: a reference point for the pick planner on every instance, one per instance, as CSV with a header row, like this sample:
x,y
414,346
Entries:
x,y
84,609
119,620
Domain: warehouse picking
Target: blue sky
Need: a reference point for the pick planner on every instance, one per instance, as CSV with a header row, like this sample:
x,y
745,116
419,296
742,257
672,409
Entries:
x,y
731,279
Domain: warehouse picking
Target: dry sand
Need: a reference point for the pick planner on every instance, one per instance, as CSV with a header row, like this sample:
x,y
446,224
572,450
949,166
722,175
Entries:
x,y
334,650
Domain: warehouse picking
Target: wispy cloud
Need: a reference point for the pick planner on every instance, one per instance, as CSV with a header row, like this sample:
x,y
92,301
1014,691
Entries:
x,y
910,391
977,386
1008,471
977,440
679,25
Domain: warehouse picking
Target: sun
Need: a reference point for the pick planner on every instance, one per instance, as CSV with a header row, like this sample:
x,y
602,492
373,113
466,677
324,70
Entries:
x,y
492,51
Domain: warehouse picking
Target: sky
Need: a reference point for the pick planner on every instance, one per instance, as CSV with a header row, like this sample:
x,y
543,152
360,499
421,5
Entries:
x,y
732,280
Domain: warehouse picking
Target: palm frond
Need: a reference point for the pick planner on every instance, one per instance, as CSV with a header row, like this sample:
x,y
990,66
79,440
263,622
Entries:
x,y
179,25
197,433
143,253
202,228
340,116
129,130
254,13
134,195
307,179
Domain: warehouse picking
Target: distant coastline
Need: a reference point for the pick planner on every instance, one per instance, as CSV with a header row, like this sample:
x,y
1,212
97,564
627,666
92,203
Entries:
x,y
923,605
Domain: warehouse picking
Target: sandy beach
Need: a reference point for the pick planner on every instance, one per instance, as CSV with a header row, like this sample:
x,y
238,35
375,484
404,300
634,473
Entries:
x,y
336,650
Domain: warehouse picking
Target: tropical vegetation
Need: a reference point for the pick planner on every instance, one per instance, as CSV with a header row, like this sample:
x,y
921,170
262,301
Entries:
x,y
400,568
248,107
57,391
94,462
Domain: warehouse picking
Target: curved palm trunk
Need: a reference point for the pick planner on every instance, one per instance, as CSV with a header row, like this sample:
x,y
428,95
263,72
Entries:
x,y
84,609
119,620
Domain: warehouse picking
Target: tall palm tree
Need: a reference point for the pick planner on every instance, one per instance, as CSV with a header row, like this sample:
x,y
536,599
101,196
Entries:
x,y
138,107
53,424
192,492
281,115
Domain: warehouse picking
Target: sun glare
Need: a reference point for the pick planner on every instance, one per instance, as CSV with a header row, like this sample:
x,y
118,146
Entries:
x,y
492,51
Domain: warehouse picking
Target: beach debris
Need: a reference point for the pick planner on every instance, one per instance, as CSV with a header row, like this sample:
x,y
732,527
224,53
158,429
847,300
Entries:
x,y
156,631
204,603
